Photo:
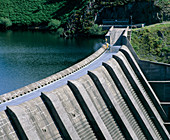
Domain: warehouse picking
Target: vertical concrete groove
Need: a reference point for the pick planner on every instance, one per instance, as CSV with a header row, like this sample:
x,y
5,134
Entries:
x,y
81,125
141,93
117,101
71,112
89,110
134,99
130,105
144,82
16,124
59,121
33,120
101,107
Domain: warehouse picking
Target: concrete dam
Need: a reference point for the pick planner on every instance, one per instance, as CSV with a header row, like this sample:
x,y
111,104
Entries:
x,y
109,95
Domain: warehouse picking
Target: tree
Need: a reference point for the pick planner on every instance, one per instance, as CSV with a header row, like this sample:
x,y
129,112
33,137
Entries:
x,y
60,31
54,24
5,22
95,30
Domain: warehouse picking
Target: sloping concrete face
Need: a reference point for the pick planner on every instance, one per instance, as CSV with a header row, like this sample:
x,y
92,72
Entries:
x,y
31,120
140,90
6,130
112,101
101,107
68,114
157,74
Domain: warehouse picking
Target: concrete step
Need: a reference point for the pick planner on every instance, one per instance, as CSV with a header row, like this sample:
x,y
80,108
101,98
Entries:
x,y
33,121
73,119
107,80
142,97
6,128
99,104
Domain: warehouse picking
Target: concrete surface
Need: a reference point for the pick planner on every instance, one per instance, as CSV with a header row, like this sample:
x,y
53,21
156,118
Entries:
x,y
105,96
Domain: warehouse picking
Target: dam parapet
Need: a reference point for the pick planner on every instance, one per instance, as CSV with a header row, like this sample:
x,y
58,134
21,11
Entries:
x,y
106,96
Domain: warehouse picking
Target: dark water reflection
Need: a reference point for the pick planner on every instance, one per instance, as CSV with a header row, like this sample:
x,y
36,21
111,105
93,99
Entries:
x,y
26,57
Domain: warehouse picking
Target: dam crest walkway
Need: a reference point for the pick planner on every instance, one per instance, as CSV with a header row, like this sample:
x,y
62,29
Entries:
x,y
105,96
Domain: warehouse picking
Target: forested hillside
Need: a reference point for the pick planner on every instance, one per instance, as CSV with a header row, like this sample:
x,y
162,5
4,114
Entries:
x,y
35,12
38,12
152,42
71,17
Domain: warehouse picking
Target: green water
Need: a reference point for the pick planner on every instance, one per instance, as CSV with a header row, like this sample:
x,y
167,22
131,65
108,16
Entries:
x,y
26,57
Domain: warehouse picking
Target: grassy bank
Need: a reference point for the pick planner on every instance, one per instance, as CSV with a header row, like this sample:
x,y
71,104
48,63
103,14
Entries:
x,y
152,42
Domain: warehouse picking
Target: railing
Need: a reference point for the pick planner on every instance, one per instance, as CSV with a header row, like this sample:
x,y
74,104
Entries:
x,y
108,36
51,79
115,22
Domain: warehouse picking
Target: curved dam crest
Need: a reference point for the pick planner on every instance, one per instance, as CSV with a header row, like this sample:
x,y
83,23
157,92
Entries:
x,y
105,96
27,57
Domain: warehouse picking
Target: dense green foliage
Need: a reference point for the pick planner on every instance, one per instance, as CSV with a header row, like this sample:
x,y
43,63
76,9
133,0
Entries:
x,y
60,31
152,42
161,3
96,30
36,12
5,23
67,17
54,24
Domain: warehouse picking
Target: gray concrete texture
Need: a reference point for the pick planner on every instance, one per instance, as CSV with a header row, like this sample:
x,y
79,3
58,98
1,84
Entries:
x,y
136,93
114,36
6,130
90,110
135,101
105,82
31,120
140,91
153,71
70,113
101,106
105,96
52,78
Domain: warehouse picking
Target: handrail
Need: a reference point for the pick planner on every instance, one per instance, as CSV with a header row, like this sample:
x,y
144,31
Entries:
x,y
51,79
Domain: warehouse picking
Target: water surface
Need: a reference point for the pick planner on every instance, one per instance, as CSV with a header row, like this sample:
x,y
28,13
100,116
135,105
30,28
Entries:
x,y
26,57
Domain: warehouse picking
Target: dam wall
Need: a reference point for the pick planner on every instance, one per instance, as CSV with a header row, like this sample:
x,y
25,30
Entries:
x,y
108,97
157,74
51,79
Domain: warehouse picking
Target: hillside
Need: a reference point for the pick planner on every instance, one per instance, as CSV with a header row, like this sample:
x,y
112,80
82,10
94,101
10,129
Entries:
x,y
26,13
38,12
152,42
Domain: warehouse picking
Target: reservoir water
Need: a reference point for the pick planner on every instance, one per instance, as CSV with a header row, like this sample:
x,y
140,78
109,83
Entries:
x,y
26,57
